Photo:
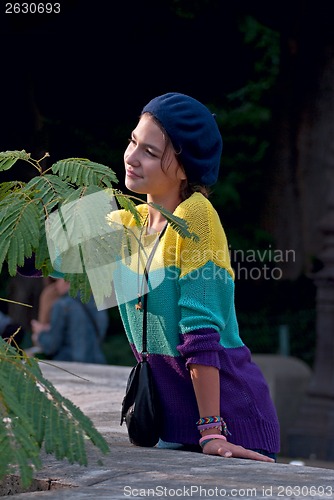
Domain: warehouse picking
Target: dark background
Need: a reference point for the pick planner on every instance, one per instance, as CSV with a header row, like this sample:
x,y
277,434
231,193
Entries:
x,y
74,83
78,80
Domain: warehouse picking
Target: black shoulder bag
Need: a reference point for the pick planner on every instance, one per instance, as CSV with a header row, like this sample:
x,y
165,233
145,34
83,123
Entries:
x,y
140,406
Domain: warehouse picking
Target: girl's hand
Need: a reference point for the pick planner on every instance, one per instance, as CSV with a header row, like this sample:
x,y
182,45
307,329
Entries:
x,y
229,450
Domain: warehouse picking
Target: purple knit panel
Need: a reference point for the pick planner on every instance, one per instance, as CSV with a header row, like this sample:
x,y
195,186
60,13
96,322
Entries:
x,y
246,405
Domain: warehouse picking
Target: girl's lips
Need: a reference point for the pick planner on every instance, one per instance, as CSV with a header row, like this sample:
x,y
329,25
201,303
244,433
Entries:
x,y
130,173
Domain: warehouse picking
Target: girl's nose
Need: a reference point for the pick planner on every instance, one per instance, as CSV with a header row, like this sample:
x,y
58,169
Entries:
x,y
132,157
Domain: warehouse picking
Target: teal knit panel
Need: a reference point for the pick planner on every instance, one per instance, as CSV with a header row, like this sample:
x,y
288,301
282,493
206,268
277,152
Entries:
x,y
207,301
163,333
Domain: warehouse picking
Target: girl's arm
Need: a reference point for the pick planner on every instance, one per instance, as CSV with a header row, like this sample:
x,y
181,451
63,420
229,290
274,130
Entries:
x,y
205,381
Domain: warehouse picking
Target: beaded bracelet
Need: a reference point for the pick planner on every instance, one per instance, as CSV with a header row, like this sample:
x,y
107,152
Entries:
x,y
210,437
204,423
209,420
205,427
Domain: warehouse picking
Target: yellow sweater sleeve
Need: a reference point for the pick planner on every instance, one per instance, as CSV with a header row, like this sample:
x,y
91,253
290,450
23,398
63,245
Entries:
x,y
211,245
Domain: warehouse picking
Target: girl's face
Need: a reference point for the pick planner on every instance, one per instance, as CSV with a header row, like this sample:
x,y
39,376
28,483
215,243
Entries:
x,y
145,173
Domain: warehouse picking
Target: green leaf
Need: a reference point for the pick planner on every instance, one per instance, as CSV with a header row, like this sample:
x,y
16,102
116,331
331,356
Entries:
x,y
6,188
81,171
79,284
79,236
128,204
20,447
33,413
49,189
8,158
178,224
20,227
42,257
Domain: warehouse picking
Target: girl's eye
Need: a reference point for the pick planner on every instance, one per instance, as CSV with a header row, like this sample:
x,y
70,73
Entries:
x,y
133,143
150,153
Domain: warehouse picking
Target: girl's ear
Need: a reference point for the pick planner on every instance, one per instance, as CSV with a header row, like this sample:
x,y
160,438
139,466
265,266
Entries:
x,y
181,175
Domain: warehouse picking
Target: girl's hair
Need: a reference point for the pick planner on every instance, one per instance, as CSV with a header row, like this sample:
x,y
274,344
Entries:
x,y
187,188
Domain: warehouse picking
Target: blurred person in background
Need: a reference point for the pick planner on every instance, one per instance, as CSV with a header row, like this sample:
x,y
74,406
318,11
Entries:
x,y
76,330
48,296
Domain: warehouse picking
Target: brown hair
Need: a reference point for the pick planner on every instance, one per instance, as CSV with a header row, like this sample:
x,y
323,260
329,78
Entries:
x,y
188,188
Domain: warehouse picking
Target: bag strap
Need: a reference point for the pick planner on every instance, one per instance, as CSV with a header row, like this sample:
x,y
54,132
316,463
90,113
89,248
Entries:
x,y
144,352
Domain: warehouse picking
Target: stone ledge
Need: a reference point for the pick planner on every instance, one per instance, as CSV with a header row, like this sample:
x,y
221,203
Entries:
x,y
128,471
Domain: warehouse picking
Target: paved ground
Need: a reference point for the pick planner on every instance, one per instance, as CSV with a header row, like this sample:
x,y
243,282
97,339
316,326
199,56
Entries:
x,y
131,472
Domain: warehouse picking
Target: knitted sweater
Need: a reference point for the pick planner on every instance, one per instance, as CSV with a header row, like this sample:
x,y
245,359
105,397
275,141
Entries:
x,y
192,319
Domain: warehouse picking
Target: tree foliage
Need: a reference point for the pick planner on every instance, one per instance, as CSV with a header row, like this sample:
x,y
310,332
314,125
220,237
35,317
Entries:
x,y
24,207
32,411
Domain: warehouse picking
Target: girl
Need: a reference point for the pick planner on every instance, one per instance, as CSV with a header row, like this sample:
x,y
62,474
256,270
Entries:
x,y
211,392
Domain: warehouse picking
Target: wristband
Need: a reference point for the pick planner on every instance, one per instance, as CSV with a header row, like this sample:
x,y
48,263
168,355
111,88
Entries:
x,y
210,437
209,420
203,428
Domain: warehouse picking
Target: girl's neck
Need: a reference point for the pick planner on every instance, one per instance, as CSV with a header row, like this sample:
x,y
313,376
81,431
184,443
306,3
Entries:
x,y
156,221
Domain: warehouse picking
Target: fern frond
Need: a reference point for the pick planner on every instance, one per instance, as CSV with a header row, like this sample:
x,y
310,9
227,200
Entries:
x,y
79,192
6,188
49,189
18,450
81,171
79,237
65,229
18,445
126,203
79,284
33,412
22,215
79,423
20,226
8,158
42,258
178,224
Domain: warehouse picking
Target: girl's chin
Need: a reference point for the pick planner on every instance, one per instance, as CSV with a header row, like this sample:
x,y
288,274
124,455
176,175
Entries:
x,y
132,186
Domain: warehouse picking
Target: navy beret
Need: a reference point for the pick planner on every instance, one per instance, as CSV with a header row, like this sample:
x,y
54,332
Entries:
x,y
194,134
